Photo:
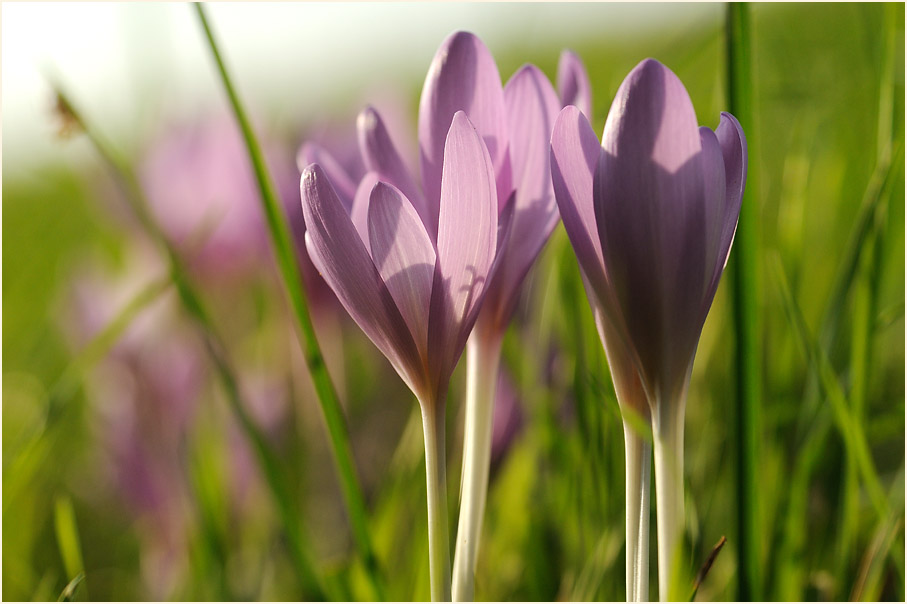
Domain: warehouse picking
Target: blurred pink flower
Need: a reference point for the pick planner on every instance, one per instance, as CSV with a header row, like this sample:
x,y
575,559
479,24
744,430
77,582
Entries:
x,y
203,191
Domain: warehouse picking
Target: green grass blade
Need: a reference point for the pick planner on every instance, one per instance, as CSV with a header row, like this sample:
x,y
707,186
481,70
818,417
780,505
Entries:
x,y
851,431
292,280
192,303
68,542
69,592
745,270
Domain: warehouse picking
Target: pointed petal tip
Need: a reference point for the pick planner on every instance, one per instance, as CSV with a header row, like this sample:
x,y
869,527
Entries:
x,y
573,82
461,120
367,118
311,173
570,112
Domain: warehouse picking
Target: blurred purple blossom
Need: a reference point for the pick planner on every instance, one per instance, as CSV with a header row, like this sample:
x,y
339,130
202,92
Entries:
x,y
144,393
202,190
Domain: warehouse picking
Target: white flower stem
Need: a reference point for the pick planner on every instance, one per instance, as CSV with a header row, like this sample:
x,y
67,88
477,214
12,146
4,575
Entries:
x,y
639,461
482,363
436,483
667,428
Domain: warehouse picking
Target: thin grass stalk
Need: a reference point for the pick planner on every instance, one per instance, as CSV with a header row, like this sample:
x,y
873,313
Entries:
x,y
291,277
851,431
436,490
483,358
195,309
746,294
864,312
638,488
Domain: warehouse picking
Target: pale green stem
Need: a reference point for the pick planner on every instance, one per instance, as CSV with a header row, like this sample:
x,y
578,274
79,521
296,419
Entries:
x,y
436,489
483,358
667,429
639,461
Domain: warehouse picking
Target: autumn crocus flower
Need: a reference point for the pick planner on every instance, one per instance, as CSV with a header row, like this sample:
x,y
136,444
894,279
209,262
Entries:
x,y
415,288
530,106
651,214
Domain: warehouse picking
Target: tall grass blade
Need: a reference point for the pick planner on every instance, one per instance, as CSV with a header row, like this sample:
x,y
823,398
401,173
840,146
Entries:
x,y
68,542
745,273
851,430
292,280
69,592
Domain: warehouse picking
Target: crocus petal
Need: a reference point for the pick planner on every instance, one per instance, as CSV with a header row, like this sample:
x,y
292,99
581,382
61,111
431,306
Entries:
x,y
714,195
733,149
462,77
359,212
467,234
341,258
573,83
344,185
532,107
575,153
381,156
650,216
404,255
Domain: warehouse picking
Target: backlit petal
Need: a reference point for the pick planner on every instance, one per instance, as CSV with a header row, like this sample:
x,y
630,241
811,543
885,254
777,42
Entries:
x,y
467,234
462,77
573,83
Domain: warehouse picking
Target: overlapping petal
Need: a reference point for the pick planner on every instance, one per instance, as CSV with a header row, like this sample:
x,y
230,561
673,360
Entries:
x,y
573,83
467,235
381,156
359,211
404,256
463,77
733,149
343,183
532,107
342,259
575,153
714,199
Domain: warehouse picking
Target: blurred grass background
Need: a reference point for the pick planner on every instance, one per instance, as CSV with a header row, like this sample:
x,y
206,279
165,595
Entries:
x,y
168,502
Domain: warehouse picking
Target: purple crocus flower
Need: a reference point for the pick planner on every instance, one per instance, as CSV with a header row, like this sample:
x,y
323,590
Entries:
x,y
651,214
143,396
529,105
412,267
415,296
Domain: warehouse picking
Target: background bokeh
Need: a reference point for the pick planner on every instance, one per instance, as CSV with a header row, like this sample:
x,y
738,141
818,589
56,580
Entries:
x,y
122,459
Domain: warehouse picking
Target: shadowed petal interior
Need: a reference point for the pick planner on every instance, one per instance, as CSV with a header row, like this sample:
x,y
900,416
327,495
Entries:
x,y
404,256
